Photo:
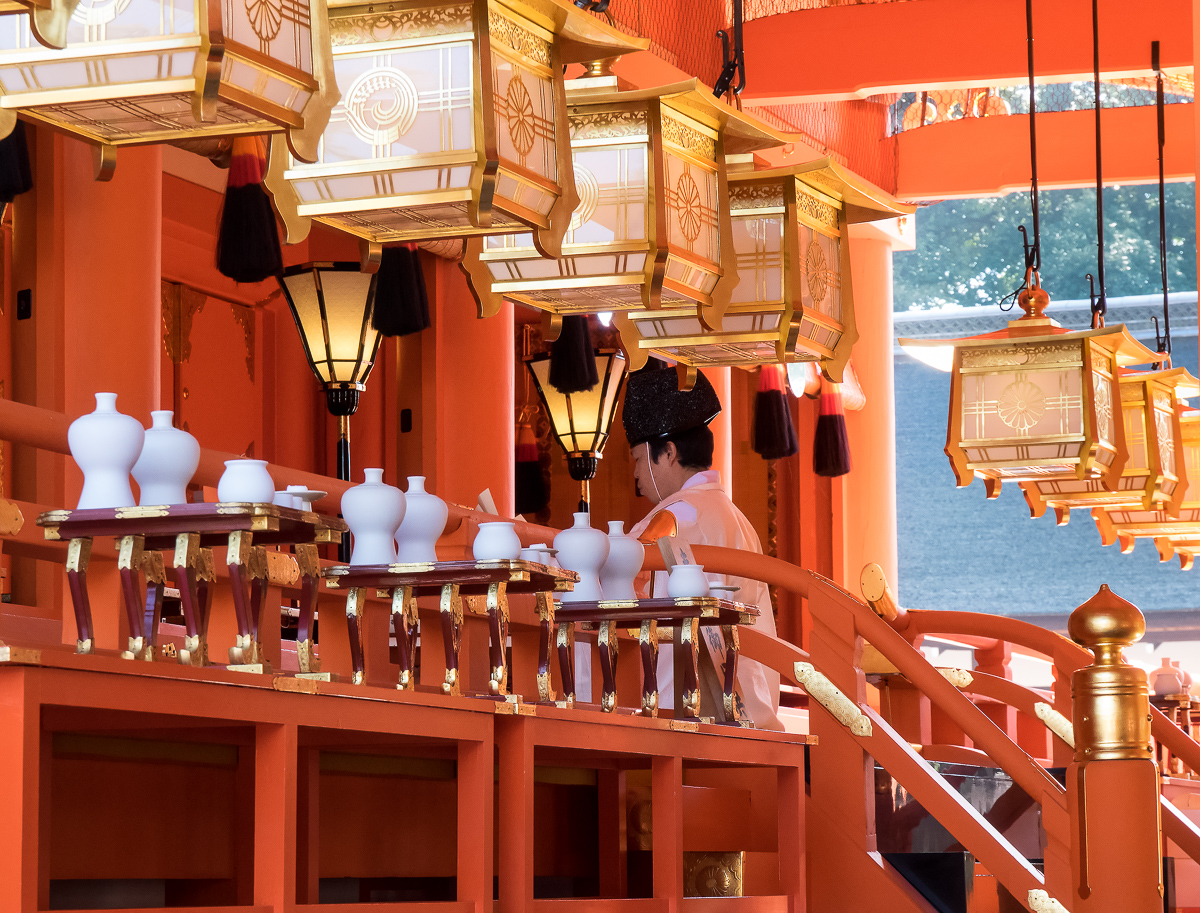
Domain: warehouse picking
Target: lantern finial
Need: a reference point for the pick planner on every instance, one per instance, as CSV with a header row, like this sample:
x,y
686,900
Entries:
x,y
1033,299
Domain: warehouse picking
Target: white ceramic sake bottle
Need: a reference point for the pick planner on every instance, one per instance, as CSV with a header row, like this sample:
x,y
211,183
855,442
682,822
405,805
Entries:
x,y
373,511
496,541
246,481
625,558
583,550
169,459
424,521
105,445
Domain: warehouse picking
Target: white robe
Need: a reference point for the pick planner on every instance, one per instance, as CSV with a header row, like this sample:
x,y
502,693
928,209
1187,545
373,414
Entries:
x,y
705,515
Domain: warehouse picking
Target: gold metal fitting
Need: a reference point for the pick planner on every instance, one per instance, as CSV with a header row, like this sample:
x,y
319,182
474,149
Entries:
x,y
1112,699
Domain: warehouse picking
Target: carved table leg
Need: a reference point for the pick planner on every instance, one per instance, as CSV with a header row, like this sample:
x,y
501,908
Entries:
x,y
452,616
355,606
156,581
566,662
545,611
238,559
79,552
607,641
259,579
733,716
310,574
185,565
206,582
648,645
497,609
689,634
404,621
130,556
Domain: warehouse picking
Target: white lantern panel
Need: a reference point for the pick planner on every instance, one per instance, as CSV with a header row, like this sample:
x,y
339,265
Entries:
x,y
524,106
594,265
758,243
1031,404
613,188
820,263
691,195
279,29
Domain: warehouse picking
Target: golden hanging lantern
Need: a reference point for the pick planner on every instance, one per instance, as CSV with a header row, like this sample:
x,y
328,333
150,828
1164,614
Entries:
x,y
150,71
1172,535
652,228
48,19
1035,401
1153,478
793,300
452,121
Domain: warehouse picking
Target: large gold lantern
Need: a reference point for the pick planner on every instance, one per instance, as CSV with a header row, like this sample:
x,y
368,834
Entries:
x,y
1178,534
581,421
652,228
1153,477
1035,401
451,121
793,300
148,71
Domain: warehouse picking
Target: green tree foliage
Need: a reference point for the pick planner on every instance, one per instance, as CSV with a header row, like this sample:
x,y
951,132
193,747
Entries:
x,y
969,251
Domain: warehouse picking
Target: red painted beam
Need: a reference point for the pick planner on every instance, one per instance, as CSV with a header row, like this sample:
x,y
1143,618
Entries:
x,y
854,51
988,156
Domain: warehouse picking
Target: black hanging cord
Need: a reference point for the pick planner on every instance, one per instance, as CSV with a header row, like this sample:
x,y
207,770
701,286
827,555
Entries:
x,y
1033,256
1099,305
734,59
1163,341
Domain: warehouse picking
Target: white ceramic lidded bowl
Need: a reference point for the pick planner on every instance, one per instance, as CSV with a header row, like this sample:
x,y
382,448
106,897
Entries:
x,y
496,541
246,481
106,444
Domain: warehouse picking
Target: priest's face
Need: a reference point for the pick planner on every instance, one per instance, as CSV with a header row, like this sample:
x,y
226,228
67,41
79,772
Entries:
x,y
657,479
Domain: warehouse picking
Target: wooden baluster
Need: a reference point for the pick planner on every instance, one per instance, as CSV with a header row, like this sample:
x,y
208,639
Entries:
x,y
156,581
404,621
565,642
607,642
241,543
545,612
355,606
130,552
733,715
648,646
79,552
259,580
497,609
186,558
452,617
309,563
689,635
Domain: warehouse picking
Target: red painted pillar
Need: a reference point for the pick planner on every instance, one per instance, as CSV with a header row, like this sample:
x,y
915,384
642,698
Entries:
x,y
722,426
107,255
868,492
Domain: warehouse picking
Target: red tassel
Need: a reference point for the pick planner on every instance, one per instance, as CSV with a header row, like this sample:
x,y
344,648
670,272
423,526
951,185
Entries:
x,y
831,445
248,243
773,434
531,494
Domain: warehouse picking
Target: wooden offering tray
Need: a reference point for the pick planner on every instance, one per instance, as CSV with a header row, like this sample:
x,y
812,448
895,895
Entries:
x,y
189,532
453,580
686,616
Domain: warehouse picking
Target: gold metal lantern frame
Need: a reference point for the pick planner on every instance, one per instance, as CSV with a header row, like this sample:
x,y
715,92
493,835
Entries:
x,y
793,300
1153,478
149,71
48,19
652,228
451,123
1172,535
1035,401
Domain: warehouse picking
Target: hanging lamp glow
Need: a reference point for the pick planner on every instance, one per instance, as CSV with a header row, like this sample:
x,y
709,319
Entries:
x,y
793,300
652,228
148,71
1153,477
1035,401
452,121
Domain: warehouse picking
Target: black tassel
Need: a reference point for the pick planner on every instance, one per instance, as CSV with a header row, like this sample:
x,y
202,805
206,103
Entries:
x,y
248,243
15,174
831,445
773,435
401,304
572,357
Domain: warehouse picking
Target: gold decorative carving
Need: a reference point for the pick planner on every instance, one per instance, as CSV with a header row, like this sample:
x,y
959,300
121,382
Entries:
x,y
829,696
372,28
265,18
689,209
712,874
818,210
587,188
180,305
1021,405
377,122
688,139
1104,406
1055,722
1101,362
521,40
520,116
755,196
608,124
959,678
1041,902
1166,441
1163,400
245,319
1018,356
816,270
